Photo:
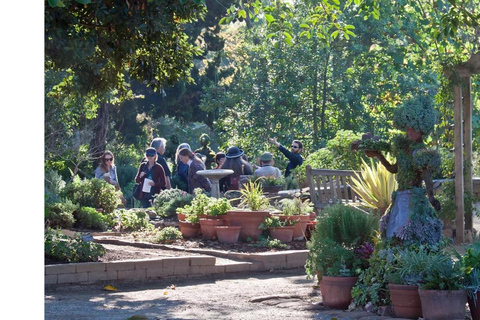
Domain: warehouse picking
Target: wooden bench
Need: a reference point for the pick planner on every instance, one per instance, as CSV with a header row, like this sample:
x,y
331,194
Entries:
x,y
327,187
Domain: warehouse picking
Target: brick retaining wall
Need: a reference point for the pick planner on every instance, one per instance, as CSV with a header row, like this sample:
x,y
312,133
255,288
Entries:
x,y
144,269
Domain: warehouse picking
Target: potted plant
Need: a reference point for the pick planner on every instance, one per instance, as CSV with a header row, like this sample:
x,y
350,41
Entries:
x,y
442,292
270,184
253,209
279,229
216,215
338,250
190,227
298,210
470,264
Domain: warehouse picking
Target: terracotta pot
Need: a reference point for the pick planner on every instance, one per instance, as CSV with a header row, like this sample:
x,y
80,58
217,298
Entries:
x,y
443,304
474,309
222,217
228,234
336,291
207,226
249,221
189,229
181,216
284,234
406,301
300,226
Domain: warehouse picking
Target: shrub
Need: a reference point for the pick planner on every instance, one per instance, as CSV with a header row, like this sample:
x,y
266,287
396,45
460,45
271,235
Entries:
x,y
93,193
62,248
60,214
168,201
90,218
53,186
167,234
134,220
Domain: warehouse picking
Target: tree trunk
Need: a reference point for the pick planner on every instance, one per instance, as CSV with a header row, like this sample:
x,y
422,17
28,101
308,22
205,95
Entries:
x,y
97,145
324,95
315,100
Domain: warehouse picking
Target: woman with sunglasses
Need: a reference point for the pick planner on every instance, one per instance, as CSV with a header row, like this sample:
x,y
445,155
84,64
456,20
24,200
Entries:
x,y
107,169
294,157
152,175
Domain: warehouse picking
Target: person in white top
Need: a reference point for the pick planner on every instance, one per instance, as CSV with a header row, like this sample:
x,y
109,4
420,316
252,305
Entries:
x,y
267,169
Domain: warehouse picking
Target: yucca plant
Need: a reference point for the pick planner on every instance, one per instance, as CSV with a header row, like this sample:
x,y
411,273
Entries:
x,y
252,197
376,185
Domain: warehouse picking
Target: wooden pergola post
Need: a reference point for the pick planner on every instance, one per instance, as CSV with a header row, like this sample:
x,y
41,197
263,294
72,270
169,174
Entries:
x,y
463,106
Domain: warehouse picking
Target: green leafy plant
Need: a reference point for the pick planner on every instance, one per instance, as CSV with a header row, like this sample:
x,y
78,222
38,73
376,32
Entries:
x,y
218,207
62,248
197,207
167,235
275,243
339,246
134,220
60,214
269,180
470,266
375,185
275,222
252,197
168,201
90,218
295,206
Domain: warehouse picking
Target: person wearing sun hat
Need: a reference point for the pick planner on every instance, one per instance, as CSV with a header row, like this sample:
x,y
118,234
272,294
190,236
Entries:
x,y
155,174
240,167
267,169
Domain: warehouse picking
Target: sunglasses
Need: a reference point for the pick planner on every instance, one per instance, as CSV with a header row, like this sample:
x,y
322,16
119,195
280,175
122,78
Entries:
x,y
294,147
108,159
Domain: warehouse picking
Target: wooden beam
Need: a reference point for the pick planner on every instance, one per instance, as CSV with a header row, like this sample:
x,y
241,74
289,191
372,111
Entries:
x,y
458,132
467,140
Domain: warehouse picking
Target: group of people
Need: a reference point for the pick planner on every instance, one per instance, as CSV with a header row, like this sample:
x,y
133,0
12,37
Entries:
x,y
154,174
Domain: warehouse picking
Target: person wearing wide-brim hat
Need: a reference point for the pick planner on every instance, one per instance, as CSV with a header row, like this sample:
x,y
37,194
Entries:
x,y
267,169
235,162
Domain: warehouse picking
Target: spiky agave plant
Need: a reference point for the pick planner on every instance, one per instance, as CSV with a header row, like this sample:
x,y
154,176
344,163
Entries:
x,y
375,185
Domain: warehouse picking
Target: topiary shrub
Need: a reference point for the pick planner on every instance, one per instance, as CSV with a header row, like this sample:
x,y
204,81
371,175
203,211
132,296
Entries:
x,y
60,214
62,248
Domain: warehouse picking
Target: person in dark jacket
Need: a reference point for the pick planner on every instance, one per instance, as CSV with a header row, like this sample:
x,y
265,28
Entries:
x,y
159,144
155,174
294,155
194,164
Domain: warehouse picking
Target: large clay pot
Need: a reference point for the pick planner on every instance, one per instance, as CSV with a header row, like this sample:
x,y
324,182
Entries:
x,y
207,226
189,229
301,226
284,234
474,308
443,304
336,291
228,234
406,301
181,216
249,221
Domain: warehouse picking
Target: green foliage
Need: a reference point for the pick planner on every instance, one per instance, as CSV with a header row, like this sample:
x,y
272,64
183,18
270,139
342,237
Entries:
x,y
275,243
295,206
167,234
197,207
60,214
90,218
54,184
376,185
62,248
341,231
168,201
134,220
275,222
269,181
95,193
252,197
417,113
218,207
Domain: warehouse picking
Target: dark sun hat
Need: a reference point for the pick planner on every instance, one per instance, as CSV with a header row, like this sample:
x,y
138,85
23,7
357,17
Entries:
x,y
151,151
234,152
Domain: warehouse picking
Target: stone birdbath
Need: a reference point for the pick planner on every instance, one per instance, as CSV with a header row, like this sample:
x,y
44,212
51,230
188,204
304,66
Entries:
x,y
215,175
